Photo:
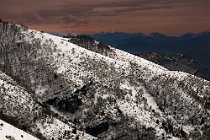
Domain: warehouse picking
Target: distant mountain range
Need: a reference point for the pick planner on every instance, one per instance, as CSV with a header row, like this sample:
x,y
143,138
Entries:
x,y
197,46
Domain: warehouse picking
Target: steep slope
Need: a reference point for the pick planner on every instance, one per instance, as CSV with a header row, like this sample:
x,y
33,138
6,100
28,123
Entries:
x,y
20,108
117,96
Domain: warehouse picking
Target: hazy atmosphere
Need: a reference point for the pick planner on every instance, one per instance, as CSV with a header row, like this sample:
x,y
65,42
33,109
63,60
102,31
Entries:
x,y
171,17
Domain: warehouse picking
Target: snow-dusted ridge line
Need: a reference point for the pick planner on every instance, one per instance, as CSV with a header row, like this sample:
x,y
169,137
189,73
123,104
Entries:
x,y
121,56
8,131
155,68
65,46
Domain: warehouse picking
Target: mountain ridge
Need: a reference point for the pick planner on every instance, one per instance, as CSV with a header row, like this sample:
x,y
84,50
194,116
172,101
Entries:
x,y
83,94
176,62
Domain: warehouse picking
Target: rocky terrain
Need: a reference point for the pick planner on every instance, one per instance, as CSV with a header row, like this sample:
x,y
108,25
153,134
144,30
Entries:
x,y
53,89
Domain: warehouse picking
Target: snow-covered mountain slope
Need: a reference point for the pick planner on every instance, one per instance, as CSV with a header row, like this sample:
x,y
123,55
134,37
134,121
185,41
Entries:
x,y
8,131
96,95
21,109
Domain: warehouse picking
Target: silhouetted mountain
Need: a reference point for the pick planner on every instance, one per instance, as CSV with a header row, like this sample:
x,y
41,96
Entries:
x,y
197,46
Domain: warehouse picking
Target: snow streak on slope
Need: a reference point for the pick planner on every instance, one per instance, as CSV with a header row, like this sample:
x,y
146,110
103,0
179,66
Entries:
x,y
54,128
8,131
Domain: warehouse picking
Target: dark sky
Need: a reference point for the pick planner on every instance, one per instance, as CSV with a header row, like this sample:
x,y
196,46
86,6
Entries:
x,y
90,16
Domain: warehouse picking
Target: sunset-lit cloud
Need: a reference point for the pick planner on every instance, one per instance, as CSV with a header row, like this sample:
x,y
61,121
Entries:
x,y
89,16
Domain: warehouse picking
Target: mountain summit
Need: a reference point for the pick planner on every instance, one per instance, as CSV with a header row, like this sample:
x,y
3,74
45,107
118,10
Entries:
x,y
54,89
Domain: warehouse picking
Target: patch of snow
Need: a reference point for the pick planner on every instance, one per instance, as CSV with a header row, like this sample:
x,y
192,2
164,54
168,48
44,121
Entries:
x,y
40,90
141,115
188,128
8,131
151,102
54,128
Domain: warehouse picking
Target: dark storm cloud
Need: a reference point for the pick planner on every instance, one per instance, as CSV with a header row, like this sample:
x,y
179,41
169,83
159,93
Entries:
x,y
107,14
